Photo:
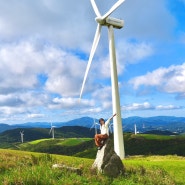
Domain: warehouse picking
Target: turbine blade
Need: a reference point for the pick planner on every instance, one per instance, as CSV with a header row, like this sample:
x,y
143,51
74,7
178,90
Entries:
x,y
94,121
92,126
95,8
93,49
114,7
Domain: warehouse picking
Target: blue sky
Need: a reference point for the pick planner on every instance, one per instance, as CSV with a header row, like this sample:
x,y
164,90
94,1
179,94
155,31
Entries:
x,y
44,49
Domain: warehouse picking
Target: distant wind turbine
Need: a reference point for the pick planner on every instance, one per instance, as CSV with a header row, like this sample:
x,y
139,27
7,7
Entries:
x,y
143,125
110,128
111,23
52,131
135,129
95,126
22,136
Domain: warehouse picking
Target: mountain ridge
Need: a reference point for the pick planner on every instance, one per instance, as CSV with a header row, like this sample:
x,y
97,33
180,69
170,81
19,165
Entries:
x,y
169,123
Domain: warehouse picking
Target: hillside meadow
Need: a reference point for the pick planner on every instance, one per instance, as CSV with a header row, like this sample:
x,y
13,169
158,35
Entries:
x,y
28,168
140,144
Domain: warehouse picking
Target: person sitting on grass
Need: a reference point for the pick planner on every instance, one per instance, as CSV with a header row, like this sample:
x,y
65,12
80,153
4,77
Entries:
x,y
104,128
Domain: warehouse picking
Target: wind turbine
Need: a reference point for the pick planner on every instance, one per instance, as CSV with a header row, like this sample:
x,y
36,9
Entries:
x,y
143,125
95,126
52,131
22,136
110,128
135,129
111,23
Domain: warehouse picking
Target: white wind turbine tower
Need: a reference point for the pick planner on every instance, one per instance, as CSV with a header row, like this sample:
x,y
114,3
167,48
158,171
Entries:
x,y
111,23
52,131
135,129
22,136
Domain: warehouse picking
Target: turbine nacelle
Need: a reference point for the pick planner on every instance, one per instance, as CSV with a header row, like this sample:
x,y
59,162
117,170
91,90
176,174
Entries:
x,y
100,20
116,23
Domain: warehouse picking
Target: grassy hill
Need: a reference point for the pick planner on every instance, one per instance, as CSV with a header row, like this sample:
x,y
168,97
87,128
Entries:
x,y
149,144
30,134
68,146
17,167
140,144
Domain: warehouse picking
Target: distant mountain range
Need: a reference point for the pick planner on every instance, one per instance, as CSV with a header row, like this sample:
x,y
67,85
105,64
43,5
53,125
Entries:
x,y
162,123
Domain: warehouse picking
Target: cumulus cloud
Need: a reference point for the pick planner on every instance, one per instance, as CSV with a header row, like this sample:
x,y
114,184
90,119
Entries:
x,y
170,80
138,106
58,21
148,106
35,115
10,100
22,63
55,21
133,52
168,107
71,103
103,97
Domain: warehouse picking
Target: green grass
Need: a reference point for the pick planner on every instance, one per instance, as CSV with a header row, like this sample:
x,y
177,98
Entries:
x,y
68,146
27,168
153,136
74,141
157,137
174,166
38,141
65,142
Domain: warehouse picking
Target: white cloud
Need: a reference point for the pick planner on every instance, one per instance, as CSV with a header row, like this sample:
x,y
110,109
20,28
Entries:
x,y
138,106
91,110
7,110
55,21
148,106
71,23
103,93
131,52
22,63
10,100
127,53
170,80
71,103
35,115
167,107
